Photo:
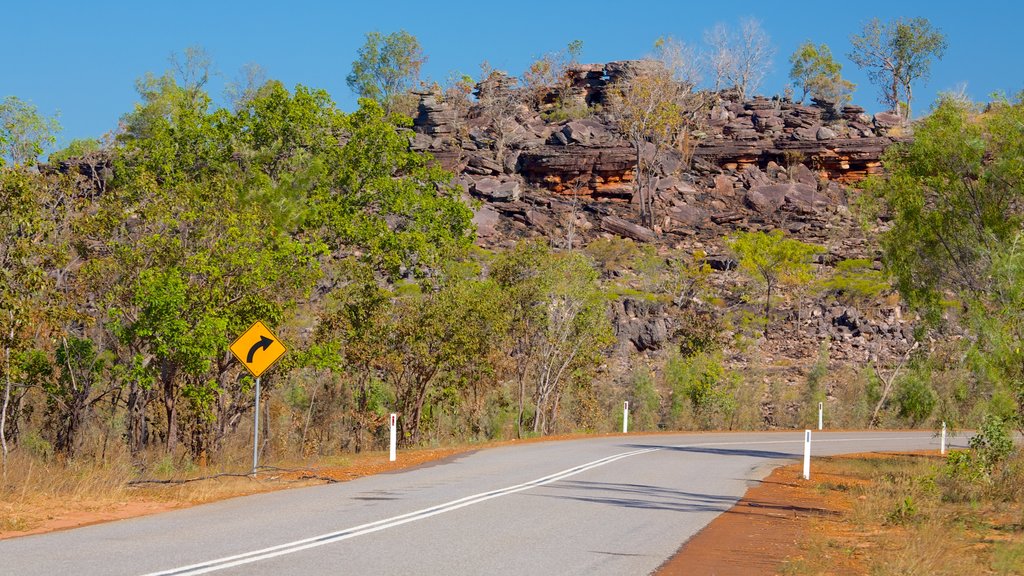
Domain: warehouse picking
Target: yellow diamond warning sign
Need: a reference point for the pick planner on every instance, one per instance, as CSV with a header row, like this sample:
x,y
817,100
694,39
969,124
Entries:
x,y
258,349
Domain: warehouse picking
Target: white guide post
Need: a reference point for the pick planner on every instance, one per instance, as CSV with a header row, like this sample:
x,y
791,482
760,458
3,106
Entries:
x,y
807,454
393,421
625,417
256,431
942,445
821,411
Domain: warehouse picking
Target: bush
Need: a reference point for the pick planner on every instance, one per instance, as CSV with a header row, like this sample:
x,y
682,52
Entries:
x,y
992,444
915,397
644,402
702,382
700,331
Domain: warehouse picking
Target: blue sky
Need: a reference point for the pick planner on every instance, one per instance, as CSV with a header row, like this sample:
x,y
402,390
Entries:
x,y
81,59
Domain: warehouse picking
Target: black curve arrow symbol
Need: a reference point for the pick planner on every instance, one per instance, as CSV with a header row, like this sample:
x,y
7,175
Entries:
x,y
264,343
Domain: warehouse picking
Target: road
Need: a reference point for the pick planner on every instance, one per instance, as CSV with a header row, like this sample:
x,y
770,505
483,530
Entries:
x,y
614,505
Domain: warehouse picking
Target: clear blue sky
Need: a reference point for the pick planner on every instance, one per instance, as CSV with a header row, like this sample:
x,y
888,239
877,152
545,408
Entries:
x,y
82,58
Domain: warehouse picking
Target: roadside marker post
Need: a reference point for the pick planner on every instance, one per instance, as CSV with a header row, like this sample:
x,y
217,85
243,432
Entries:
x,y
625,417
942,445
807,454
257,349
393,422
821,412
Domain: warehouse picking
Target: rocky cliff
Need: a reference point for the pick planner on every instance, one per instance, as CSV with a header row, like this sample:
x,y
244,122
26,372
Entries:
x,y
555,165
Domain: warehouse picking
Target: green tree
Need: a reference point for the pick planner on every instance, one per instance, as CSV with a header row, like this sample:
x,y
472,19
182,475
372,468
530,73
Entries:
x,y
703,383
77,148
400,211
386,67
29,250
774,260
818,74
856,281
954,196
24,132
558,326
896,54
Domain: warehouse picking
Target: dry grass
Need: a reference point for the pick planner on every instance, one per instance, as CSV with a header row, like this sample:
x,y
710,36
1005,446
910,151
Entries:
x,y
902,524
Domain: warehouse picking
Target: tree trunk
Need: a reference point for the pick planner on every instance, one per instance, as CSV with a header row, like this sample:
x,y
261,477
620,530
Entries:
x,y
168,374
3,410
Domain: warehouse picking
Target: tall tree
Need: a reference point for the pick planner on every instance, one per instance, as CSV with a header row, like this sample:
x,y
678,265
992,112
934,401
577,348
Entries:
x,y
558,325
386,67
955,198
27,252
24,132
649,107
739,59
896,54
818,74
773,260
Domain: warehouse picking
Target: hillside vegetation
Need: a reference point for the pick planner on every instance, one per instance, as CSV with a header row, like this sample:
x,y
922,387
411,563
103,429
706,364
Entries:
x,y
130,265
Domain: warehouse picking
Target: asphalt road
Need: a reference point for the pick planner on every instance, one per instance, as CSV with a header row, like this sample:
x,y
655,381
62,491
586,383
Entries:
x,y
616,505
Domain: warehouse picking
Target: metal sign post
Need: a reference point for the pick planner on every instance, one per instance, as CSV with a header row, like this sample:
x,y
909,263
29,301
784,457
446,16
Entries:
x,y
257,349
256,431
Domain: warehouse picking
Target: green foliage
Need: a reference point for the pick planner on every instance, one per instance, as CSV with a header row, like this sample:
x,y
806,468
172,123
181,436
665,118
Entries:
x,y
401,211
896,54
702,382
558,325
77,148
774,260
993,443
386,67
644,401
700,331
818,74
24,133
914,395
953,195
856,281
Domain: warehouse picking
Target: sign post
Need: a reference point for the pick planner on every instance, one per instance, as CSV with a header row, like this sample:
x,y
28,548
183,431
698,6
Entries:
x,y
393,421
625,417
257,349
942,446
256,430
821,410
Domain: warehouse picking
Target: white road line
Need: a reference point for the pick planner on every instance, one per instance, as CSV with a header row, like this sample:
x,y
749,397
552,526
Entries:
x,y
331,537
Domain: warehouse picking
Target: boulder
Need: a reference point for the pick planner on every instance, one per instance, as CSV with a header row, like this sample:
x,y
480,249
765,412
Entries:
x,y
486,220
495,190
768,199
887,120
825,133
625,228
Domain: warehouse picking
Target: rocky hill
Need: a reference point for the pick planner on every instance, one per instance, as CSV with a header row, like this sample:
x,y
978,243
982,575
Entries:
x,y
759,164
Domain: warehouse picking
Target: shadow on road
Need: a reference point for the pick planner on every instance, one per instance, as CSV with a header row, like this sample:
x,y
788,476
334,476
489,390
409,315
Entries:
x,y
720,451
641,496
646,497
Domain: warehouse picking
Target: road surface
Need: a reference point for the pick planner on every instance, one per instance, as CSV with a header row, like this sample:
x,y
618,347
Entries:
x,y
614,505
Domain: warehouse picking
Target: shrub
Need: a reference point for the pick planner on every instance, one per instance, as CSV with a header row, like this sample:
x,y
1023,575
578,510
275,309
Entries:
x,y
915,397
704,383
992,444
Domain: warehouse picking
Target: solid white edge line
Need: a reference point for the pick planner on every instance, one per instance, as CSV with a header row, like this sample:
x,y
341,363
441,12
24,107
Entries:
x,y
423,513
